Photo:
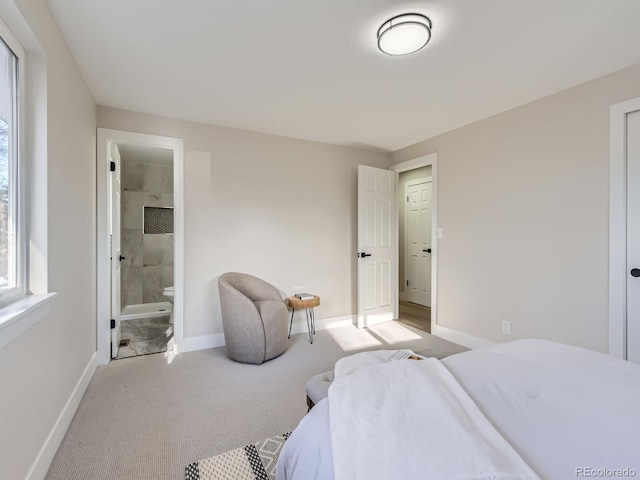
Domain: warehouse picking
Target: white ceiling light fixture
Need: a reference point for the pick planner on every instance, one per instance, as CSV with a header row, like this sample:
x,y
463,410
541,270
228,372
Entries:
x,y
404,34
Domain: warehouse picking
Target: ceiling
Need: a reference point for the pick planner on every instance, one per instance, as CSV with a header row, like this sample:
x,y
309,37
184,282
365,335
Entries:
x,y
310,69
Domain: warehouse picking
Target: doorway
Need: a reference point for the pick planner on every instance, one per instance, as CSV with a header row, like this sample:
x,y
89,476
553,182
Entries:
x,y
143,290
624,231
140,244
415,247
417,241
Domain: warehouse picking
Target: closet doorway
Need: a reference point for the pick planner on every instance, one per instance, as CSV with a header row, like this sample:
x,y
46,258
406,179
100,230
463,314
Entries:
x,y
416,240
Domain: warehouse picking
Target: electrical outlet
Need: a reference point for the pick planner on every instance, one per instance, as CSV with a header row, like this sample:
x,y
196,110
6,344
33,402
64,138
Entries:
x,y
506,327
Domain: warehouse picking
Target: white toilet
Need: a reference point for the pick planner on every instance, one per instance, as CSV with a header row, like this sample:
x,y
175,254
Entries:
x,y
169,293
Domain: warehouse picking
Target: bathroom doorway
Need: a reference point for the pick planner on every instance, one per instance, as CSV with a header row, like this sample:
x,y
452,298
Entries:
x,y
140,228
147,250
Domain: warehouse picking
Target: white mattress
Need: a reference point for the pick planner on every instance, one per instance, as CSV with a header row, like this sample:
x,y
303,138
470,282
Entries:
x,y
562,408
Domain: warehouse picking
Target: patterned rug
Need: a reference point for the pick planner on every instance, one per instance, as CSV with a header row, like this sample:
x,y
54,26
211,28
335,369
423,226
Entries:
x,y
253,462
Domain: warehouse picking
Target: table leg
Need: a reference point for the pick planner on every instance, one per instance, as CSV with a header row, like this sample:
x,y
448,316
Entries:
x,y
308,314
313,320
291,322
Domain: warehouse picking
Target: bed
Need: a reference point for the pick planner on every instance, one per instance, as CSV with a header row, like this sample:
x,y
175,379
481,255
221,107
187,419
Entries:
x,y
561,411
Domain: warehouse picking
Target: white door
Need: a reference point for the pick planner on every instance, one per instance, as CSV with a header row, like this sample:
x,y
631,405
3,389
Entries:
x,y
114,214
377,246
633,236
418,242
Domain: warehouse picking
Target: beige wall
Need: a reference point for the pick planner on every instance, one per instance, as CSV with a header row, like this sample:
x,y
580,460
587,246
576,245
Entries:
x,y
405,177
278,208
523,200
40,369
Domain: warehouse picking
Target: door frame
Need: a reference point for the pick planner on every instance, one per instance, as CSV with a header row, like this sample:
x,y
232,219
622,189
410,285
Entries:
x,y
103,255
618,227
417,181
426,160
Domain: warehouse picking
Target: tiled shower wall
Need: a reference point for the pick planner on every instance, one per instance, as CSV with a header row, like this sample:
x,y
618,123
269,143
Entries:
x,y
148,265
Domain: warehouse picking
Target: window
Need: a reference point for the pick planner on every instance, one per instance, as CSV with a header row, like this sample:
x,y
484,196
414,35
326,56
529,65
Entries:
x,y
11,251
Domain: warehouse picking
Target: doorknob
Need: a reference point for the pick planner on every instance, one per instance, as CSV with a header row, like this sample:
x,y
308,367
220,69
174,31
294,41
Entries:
x,y
364,254
635,272
427,250
121,258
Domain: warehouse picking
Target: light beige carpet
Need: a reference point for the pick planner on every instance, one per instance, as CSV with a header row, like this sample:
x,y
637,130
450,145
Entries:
x,y
144,418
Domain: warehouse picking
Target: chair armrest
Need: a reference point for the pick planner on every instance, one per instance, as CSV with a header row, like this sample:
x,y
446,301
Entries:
x,y
242,324
272,310
275,320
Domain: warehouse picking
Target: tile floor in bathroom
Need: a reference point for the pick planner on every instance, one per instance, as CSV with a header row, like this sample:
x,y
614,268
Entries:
x,y
145,335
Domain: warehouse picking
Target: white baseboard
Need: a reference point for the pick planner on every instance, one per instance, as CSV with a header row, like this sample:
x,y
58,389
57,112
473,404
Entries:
x,y
300,323
191,344
461,338
42,462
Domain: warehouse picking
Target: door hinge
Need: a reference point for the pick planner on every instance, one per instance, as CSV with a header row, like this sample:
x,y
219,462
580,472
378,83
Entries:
x,y
112,166
407,283
113,323
407,198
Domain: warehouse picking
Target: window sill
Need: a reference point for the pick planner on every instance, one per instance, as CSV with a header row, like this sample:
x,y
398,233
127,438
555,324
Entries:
x,y
18,317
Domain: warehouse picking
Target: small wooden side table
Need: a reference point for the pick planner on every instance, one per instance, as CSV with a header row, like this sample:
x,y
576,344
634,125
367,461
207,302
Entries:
x,y
295,302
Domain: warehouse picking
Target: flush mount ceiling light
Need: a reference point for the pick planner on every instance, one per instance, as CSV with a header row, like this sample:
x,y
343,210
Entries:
x,y
404,34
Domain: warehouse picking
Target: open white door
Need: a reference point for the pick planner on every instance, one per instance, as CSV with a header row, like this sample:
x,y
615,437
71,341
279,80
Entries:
x,y
418,247
377,246
114,214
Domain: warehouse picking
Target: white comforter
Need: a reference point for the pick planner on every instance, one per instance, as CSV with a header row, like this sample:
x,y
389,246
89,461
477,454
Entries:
x,y
567,411
411,419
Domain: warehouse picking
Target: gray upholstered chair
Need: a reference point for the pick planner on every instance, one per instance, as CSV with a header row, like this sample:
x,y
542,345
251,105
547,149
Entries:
x,y
254,318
